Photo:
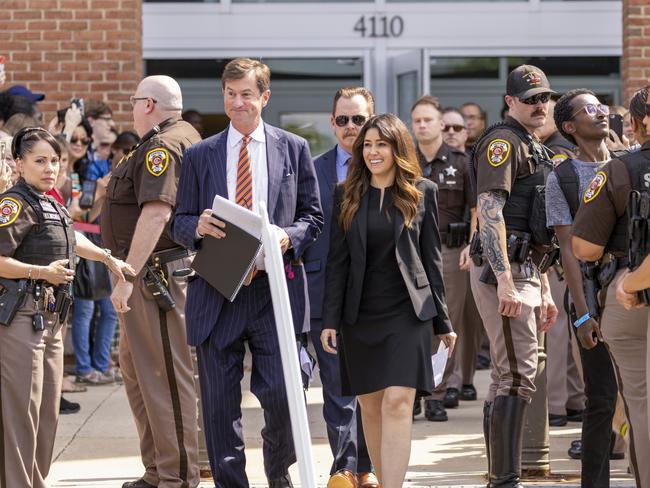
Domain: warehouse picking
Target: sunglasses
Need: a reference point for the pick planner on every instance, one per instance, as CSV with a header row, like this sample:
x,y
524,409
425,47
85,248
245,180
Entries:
x,y
453,128
358,120
592,109
535,99
85,141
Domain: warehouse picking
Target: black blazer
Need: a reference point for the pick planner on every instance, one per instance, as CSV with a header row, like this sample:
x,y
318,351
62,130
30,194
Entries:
x,y
419,258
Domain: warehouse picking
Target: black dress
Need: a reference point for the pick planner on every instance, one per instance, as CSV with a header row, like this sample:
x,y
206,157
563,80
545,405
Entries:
x,y
388,345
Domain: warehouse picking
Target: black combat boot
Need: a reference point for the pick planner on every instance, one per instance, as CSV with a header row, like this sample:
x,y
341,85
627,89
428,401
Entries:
x,y
506,431
487,413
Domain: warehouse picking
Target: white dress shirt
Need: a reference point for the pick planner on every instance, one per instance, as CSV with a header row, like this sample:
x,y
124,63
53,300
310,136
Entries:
x,y
257,152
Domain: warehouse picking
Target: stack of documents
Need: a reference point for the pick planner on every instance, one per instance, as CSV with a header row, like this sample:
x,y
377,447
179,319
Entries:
x,y
225,263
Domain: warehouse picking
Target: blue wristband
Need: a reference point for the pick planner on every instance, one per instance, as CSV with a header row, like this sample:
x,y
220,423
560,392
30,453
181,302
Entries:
x,y
581,320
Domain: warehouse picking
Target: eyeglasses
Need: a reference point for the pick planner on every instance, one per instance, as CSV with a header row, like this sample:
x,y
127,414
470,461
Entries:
x,y
84,141
454,128
134,99
535,99
592,109
358,120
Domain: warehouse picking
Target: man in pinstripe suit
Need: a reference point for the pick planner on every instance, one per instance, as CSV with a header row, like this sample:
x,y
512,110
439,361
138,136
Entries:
x,y
249,162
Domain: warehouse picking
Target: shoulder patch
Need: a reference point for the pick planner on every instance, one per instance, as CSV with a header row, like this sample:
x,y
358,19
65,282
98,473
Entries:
x,y
9,211
157,161
558,158
498,152
595,186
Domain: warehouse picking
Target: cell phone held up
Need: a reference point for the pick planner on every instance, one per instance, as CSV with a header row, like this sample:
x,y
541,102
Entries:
x,y
87,198
616,124
79,102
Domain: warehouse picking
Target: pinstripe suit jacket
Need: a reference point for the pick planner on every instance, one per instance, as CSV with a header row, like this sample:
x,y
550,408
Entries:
x,y
293,204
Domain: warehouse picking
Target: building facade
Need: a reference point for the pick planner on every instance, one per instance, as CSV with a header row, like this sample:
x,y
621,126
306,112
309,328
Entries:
x,y
457,50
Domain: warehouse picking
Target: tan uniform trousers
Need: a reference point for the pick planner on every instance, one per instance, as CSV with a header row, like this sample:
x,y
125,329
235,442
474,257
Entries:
x,y
564,385
513,341
625,333
31,372
456,288
157,367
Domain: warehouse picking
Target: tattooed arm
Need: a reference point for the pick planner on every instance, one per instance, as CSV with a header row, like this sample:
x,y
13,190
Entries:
x,y
493,240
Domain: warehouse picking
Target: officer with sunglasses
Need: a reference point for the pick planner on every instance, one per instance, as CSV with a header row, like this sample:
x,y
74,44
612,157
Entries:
x,y
512,296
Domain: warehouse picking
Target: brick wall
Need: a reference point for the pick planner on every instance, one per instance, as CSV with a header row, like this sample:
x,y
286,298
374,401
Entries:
x,y
81,48
635,64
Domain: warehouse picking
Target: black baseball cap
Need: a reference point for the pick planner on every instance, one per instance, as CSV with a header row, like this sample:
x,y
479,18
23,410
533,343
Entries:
x,y
527,80
23,91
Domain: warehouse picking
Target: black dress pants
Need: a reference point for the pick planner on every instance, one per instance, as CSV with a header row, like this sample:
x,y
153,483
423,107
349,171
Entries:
x,y
601,392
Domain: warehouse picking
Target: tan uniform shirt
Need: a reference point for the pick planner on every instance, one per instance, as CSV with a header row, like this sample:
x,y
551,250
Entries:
x,y
603,203
450,171
147,174
501,159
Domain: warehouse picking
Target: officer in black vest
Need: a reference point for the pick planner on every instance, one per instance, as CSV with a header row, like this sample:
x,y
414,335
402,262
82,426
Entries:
x,y
509,168
37,249
601,232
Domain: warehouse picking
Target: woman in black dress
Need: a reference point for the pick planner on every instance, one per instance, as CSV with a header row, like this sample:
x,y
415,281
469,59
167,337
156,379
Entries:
x,y
384,292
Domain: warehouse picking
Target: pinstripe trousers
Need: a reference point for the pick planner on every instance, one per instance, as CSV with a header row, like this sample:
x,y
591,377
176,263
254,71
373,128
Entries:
x,y
221,368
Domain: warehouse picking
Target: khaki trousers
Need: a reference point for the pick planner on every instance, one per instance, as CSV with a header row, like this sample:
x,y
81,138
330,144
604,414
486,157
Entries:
x,y
625,333
157,367
31,372
456,288
513,341
565,388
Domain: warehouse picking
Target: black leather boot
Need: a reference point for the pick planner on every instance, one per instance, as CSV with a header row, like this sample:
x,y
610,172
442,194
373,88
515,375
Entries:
x,y
506,431
487,412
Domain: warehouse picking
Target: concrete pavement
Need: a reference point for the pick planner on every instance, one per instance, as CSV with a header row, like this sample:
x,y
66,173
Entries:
x,y
98,447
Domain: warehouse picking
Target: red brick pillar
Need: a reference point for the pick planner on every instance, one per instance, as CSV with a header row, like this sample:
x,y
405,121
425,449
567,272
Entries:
x,y
81,48
635,63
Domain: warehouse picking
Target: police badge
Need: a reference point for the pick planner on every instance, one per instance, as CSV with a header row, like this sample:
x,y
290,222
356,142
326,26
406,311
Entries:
x,y
157,161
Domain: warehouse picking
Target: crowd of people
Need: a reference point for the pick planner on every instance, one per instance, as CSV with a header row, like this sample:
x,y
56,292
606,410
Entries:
x,y
394,241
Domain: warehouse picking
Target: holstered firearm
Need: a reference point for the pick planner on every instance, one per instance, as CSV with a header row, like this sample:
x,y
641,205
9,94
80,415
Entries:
x,y
476,250
591,286
12,297
63,301
156,282
457,234
638,209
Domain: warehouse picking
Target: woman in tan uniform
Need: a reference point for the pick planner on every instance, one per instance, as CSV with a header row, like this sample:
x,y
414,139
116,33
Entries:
x,y
37,250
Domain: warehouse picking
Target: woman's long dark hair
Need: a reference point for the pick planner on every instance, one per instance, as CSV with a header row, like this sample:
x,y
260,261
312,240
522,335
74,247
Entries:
x,y
405,195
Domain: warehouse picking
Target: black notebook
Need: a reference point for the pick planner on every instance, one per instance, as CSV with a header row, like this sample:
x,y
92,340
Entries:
x,y
225,263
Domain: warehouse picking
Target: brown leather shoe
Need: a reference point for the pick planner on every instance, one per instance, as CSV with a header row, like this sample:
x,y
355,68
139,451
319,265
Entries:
x,y
368,480
343,479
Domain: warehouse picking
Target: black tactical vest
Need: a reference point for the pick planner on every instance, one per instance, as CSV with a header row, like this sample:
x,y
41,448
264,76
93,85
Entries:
x,y
518,208
638,168
52,238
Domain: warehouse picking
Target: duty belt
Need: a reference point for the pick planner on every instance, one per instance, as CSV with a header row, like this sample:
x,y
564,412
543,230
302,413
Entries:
x,y
169,255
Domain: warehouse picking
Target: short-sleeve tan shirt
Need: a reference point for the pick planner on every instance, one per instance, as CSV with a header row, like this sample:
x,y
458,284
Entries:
x,y
147,174
501,159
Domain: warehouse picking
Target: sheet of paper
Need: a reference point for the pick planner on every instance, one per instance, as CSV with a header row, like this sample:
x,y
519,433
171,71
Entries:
x,y
249,221
439,361
308,364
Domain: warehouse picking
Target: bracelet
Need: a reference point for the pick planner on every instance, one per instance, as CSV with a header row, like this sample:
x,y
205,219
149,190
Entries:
x,y
581,320
107,256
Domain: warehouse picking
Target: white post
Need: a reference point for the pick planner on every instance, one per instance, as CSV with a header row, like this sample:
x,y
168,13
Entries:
x,y
288,351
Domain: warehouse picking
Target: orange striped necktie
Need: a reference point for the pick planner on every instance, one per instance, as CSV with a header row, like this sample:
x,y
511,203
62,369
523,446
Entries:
x,y
244,189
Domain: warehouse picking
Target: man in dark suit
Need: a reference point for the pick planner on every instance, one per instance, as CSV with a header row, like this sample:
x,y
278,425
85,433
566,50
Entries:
x,y
249,162
351,467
